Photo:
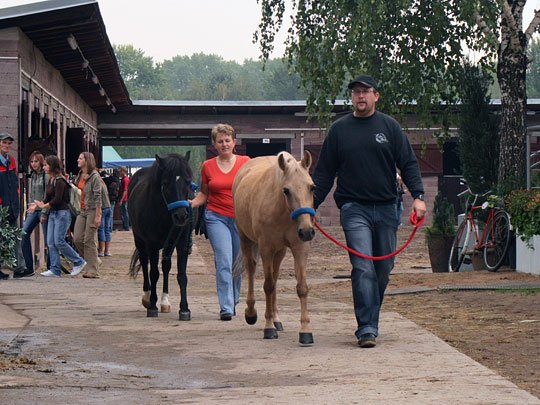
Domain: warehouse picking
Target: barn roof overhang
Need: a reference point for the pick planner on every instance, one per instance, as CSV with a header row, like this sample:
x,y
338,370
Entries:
x,y
49,24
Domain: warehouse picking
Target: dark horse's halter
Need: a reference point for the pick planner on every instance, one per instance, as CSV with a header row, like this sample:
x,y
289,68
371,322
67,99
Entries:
x,y
175,204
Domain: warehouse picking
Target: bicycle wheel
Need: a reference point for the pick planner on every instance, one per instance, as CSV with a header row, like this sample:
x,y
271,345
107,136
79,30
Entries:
x,y
457,253
497,241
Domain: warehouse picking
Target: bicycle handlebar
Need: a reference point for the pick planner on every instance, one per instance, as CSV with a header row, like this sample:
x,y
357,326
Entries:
x,y
469,191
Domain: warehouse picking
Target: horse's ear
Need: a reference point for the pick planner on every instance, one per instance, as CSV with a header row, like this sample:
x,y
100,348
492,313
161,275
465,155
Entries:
x,y
188,155
307,160
158,160
281,161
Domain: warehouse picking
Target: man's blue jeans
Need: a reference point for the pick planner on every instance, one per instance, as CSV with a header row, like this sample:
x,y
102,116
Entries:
x,y
58,224
30,223
225,241
369,229
125,216
105,228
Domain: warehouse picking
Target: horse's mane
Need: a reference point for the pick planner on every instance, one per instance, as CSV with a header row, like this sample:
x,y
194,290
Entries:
x,y
172,164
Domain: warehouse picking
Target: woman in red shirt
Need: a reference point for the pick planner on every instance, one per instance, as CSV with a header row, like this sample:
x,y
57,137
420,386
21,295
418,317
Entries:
x,y
217,176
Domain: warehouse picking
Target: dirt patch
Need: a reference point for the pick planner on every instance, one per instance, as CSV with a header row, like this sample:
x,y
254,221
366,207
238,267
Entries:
x,y
499,329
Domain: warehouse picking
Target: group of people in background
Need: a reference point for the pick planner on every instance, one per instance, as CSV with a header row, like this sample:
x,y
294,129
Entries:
x,y
48,204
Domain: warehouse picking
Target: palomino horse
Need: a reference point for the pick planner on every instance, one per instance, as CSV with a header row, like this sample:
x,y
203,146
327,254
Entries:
x,y
161,218
273,203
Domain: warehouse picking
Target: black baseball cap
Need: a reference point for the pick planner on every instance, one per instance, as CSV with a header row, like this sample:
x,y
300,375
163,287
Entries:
x,y
5,135
366,81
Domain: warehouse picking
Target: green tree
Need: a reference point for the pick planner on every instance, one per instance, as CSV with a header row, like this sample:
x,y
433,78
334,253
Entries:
x,y
533,69
143,78
478,131
415,49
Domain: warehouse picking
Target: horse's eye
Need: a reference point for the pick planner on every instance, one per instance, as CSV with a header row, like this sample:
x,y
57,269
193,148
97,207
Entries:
x,y
286,191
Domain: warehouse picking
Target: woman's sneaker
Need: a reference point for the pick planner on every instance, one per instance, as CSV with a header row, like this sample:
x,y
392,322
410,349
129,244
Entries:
x,y
49,273
77,269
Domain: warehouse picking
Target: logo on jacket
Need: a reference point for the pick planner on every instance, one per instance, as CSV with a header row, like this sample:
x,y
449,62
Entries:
x,y
381,138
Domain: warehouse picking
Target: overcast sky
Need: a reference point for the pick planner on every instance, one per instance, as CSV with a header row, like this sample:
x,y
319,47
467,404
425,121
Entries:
x,y
166,28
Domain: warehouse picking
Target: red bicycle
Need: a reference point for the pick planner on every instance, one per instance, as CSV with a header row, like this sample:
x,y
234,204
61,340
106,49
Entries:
x,y
494,240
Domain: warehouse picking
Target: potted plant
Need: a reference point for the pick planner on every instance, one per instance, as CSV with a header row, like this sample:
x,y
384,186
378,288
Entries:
x,y
524,209
440,235
8,237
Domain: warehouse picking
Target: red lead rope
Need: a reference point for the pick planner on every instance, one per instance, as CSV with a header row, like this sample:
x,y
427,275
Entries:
x,y
414,221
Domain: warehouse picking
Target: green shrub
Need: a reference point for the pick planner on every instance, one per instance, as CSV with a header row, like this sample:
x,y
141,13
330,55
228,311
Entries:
x,y
443,218
8,236
524,209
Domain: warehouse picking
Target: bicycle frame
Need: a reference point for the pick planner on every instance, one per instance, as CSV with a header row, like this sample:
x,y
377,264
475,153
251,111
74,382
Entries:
x,y
480,240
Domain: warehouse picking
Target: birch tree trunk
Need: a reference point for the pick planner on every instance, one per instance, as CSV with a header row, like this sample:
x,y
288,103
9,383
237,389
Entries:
x,y
511,74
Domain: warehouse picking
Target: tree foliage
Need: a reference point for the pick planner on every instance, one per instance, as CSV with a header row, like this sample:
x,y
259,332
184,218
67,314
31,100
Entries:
x,y
205,77
478,131
533,69
415,49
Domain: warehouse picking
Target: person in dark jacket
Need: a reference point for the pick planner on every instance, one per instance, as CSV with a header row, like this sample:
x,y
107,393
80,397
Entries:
x,y
9,196
57,202
363,150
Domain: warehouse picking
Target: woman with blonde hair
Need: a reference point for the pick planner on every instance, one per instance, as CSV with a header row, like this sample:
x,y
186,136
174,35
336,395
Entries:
x,y
85,233
217,176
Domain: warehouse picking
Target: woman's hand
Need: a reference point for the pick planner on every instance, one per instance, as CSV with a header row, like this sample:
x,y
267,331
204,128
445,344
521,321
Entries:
x,y
40,204
31,208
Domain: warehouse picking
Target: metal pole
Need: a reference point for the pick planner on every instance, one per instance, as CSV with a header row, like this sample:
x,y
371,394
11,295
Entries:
x,y
301,145
529,137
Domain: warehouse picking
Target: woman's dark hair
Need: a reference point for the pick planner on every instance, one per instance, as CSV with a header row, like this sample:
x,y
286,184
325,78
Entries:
x,y
55,165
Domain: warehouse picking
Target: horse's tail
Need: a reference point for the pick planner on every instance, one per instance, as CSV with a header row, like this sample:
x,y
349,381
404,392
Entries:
x,y
238,265
134,265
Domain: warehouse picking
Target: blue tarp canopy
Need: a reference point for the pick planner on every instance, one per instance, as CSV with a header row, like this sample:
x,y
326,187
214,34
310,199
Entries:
x,y
111,164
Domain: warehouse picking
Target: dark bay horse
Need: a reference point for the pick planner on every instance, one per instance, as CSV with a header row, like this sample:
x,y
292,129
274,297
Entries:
x,y
273,203
161,219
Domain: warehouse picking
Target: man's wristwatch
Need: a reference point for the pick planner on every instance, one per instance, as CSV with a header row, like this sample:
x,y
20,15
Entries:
x,y
420,197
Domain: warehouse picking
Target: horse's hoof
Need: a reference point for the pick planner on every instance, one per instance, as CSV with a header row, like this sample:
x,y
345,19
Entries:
x,y
184,315
306,338
165,309
152,313
279,326
251,320
270,333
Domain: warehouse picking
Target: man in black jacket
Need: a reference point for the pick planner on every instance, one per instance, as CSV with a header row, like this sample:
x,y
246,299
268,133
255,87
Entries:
x,y
363,150
9,197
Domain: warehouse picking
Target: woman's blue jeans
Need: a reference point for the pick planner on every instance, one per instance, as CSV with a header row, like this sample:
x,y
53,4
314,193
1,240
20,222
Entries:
x,y
369,229
30,223
225,242
104,230
58,224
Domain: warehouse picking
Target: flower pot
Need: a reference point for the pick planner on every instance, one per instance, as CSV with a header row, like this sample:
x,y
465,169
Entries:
x,y
439,247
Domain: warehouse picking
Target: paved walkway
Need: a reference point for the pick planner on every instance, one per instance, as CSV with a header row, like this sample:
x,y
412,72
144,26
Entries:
x,y
93,344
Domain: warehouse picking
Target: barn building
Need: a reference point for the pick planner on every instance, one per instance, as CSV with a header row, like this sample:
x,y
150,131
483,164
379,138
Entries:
x,y
62,93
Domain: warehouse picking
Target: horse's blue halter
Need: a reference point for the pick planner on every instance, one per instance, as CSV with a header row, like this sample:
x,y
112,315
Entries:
x,y
303,210
176,204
